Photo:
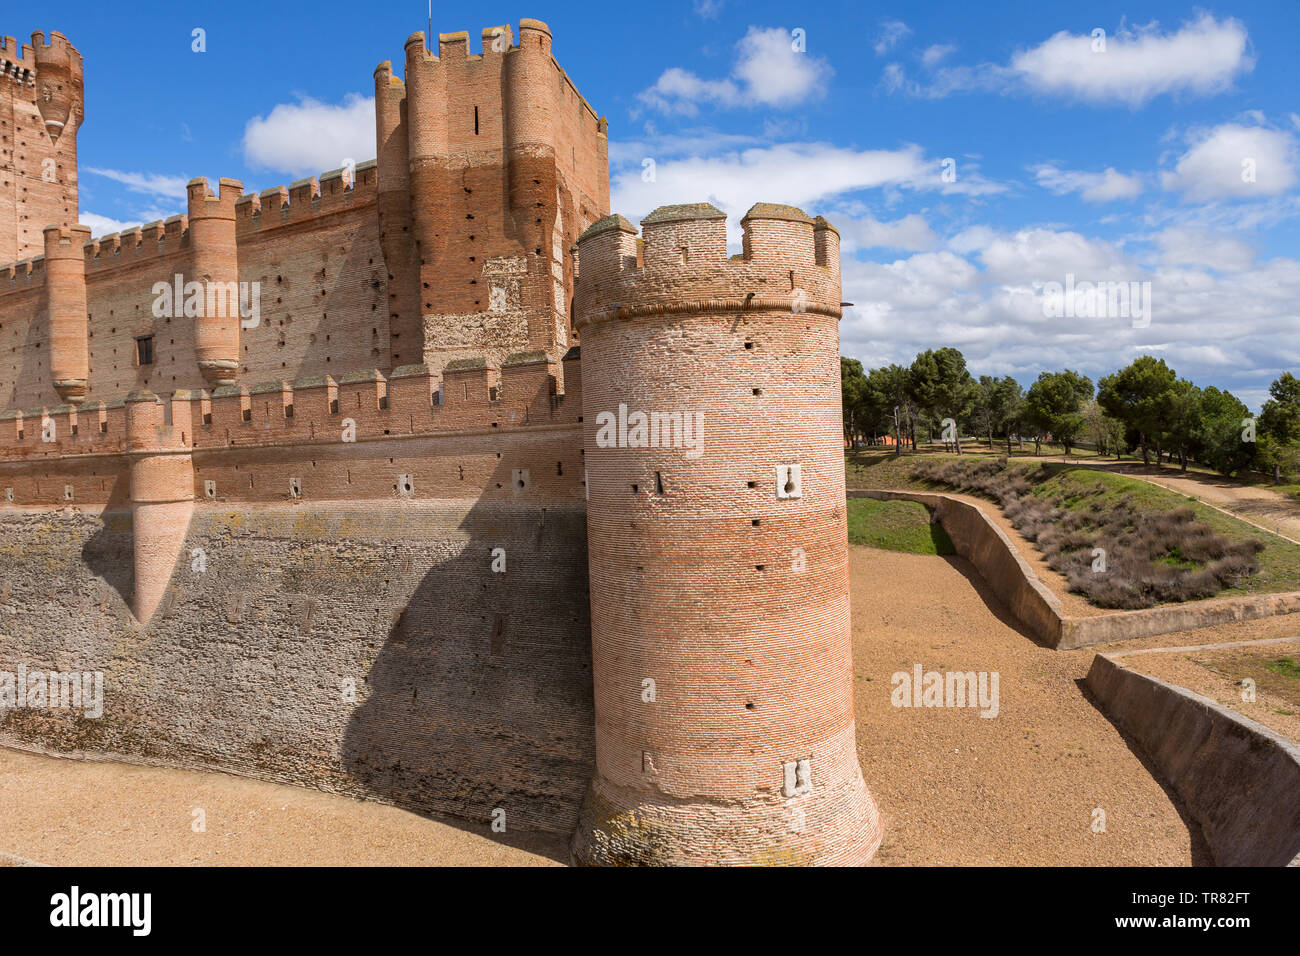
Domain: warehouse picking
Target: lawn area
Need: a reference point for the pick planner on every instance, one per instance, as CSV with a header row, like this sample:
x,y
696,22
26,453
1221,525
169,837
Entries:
x,y
896,526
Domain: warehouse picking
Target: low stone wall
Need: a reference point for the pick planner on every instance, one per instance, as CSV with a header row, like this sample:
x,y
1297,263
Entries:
x,y
1240,780
978,539
985,545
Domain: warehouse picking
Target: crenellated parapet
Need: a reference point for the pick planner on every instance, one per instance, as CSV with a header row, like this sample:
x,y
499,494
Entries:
x,y
526,389
789,263
306,200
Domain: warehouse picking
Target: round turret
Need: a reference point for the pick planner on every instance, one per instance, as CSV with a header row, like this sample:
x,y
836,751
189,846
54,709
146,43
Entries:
x,y
65,285
717,546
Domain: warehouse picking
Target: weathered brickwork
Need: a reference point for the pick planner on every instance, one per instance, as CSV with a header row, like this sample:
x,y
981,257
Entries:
x,y
40,114
370,536
719,564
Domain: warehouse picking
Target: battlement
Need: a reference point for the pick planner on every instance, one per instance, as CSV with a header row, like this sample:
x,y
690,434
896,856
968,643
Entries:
x,y
789,262
17,62
527,389
305,199
495,42
205,204
58,51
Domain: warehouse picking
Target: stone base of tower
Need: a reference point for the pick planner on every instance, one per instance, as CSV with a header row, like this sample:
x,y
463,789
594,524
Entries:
x,y
619,827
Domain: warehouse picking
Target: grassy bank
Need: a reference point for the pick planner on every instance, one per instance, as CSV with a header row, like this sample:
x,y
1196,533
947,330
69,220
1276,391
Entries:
x,y
1156,546
896,526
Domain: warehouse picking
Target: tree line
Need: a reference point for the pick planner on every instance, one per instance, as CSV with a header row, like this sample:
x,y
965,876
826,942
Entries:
x,y
1142,407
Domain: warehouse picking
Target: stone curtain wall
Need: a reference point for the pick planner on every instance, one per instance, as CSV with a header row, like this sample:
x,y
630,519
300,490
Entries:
x,y
472,688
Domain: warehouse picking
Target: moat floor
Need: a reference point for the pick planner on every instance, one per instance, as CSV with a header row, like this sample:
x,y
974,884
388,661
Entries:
x,y
79,813
1024,787
1020,788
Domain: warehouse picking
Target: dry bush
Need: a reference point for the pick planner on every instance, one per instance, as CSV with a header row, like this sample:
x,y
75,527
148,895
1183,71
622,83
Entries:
x,y
1151,557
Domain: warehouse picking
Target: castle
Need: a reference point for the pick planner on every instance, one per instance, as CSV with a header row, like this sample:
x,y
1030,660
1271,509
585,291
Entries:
x,y
323,482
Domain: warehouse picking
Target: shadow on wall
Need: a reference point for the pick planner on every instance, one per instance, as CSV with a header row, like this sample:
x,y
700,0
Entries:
x,y
108,552
479,703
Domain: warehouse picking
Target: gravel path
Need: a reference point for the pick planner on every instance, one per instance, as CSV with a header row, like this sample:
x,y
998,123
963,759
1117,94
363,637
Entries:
x,y
1019,788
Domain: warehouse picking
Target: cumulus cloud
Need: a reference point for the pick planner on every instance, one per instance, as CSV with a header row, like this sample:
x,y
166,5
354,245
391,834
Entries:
x,y
1235,161
892,32
1203,57
1199,247
104,226
1216,315
1105,186
153,184
911,233
769,71
308,137
800,173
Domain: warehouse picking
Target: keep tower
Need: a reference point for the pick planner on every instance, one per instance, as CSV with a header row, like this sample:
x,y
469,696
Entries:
x,y
490,165
718,553
41,110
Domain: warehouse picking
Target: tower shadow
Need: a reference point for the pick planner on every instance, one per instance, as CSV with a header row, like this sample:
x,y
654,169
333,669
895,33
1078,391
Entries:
x,y
478,706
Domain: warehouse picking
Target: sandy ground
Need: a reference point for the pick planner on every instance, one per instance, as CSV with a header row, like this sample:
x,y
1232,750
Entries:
x,y
1216,673
79,813
1018,788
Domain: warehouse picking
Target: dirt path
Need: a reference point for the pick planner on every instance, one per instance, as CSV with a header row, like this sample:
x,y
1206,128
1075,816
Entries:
x,y
1018,788
79,813
1264,506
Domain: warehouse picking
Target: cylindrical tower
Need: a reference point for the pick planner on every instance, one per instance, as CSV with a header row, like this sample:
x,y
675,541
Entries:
x,y
717,546
65,297
162,497
60,97
393,205
427,160
215,264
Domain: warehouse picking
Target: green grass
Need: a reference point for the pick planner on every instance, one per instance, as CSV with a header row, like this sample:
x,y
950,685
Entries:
x,y
1285,666
896,526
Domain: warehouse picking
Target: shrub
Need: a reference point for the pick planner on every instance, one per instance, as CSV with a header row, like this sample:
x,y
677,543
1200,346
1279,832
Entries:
x,y
1151,557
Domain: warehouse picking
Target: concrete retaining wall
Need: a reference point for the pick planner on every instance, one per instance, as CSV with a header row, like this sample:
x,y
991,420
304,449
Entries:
x,y
1240,780
978,539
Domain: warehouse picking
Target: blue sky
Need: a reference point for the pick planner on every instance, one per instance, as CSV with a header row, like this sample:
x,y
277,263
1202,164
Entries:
x,y
972,154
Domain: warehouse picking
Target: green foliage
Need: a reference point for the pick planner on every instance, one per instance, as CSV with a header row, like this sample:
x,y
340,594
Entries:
x,y
1053,405
896,526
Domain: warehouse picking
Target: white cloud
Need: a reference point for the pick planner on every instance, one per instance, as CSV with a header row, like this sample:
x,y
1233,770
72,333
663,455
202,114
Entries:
x,y
1202,57
308,137
1105,186
932,55
104,226
1199,247
1232,326
1235,161
768,72
892,32
799,173
154,184
911,233
708,9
